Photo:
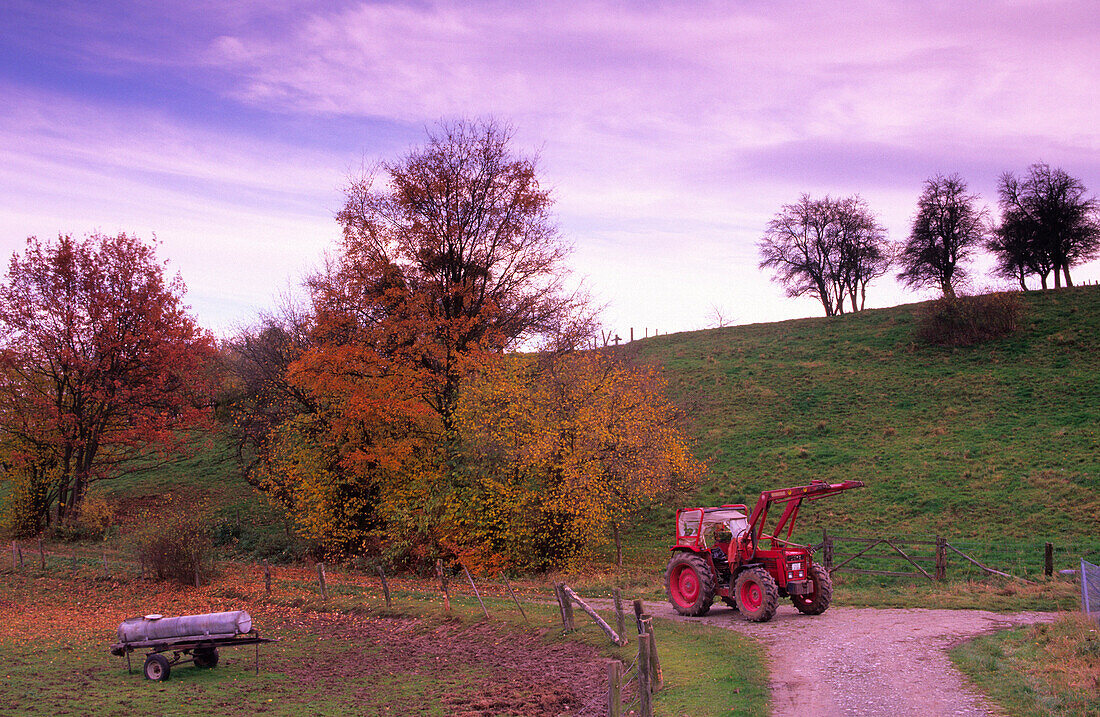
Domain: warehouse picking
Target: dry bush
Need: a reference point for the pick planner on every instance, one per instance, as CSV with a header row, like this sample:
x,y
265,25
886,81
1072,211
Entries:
x,y
176,546
968,320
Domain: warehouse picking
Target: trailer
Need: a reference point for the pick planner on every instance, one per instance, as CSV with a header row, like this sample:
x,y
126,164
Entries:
x,y
189,638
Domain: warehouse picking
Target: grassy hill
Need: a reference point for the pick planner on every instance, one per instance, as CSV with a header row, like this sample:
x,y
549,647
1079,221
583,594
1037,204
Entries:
x,y
994,442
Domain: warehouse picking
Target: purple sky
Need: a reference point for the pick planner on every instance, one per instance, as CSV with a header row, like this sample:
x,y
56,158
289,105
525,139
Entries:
x,y
670,132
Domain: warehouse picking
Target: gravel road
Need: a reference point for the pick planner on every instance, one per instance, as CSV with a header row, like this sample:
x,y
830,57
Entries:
x,y
864,662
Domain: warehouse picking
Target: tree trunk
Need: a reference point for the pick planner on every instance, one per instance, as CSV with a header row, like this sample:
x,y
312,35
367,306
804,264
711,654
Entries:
x,y
1065,268
1043,279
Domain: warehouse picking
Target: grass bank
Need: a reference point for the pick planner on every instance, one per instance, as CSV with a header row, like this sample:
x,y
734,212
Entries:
x,y
1038,671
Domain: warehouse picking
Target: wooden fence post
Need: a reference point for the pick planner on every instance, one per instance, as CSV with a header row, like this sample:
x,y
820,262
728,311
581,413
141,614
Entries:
x,y
941,557
267,578
645,687
656,677
620,619
566,608
1048,560
827,548
443,584
638,611
614,689
514,598
321,580
385,586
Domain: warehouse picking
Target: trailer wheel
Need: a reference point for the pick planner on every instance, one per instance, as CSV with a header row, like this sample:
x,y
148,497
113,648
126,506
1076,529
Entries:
x,y
757,594
689,584
206,657
818,601
157,668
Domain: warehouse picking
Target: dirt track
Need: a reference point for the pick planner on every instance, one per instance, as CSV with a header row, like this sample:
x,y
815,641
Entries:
x,y
866,661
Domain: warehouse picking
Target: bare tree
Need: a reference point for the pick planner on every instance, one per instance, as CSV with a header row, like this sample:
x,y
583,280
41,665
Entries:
x,y
948,226
1047,224
826,248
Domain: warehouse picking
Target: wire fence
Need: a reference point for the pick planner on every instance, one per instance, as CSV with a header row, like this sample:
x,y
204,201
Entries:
x,y
935,557
1090,589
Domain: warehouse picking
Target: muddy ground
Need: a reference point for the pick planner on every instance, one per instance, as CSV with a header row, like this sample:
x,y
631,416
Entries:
x,y
518,673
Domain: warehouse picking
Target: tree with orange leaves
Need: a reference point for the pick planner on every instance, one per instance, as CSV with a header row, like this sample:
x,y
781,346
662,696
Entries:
x,y
99,362
449,257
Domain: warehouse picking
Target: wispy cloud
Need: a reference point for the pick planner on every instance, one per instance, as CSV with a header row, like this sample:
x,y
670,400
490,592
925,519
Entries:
x,y
670,132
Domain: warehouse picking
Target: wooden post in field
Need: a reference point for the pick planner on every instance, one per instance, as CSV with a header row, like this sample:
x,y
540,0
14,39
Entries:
x,y
14,557
443,584
941,557
566,609
656,677
514,598
42,555
614,689
645,687
321,580
267,578
1048,560
476,593
638,611
385,586
620,620
827,548
631,333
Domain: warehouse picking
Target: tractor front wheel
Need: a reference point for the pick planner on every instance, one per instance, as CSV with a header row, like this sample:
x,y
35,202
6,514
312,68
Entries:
x,y
817,601
689,584
757,594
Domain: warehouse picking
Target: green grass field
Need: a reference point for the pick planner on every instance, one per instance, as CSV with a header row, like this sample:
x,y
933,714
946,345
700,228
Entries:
x,y
996,447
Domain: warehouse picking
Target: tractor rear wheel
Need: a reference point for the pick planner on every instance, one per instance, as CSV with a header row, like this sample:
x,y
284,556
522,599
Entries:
x,y
757,594
689,584
817,601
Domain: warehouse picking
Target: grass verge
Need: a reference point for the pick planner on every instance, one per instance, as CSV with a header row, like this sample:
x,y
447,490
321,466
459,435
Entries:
x,y
1040,670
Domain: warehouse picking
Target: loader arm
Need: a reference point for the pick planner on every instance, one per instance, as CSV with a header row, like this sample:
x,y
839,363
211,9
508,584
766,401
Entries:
x,y
792,498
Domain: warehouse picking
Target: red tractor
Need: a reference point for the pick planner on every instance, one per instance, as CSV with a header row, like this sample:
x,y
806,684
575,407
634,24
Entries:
x,y
721,552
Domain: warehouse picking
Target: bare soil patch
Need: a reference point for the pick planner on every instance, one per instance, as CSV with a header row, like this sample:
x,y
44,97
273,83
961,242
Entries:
x,y
472,670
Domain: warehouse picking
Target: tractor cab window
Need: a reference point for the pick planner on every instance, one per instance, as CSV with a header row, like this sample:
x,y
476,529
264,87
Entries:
x,y
738,526
689,523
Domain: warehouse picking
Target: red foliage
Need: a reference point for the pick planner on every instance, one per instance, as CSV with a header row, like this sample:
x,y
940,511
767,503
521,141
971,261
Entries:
x,y
99,359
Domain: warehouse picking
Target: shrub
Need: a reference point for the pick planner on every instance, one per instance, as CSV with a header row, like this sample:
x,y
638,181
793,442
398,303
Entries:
x,y
176,546
968,320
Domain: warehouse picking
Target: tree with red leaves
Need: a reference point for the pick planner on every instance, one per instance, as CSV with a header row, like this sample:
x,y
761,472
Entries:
x,y
100,363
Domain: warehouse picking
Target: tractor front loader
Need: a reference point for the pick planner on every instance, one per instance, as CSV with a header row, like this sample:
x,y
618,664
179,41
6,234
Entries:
x,y
726,552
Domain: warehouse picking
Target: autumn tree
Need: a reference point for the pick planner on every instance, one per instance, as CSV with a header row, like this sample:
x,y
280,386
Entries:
x,y
100,362
1047,224
560,451
449,256
948,227
830,249
454,250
